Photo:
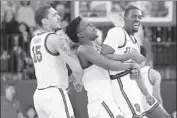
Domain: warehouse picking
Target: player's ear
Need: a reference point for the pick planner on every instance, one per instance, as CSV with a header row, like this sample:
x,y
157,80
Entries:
x,y
79,35
44,21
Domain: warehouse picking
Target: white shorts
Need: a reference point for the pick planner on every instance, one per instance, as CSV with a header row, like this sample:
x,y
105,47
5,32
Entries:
x,y
130,98
52,102
101,104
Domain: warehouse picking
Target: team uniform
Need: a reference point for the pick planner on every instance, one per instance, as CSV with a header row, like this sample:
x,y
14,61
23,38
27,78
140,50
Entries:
x,y
50,98
99,91
126,91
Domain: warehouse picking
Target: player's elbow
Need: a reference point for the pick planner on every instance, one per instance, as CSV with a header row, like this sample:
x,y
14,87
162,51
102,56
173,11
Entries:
x,y
155,75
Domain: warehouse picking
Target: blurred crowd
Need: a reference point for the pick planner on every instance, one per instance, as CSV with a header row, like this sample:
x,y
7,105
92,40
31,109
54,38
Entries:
x,y
17,27
11,107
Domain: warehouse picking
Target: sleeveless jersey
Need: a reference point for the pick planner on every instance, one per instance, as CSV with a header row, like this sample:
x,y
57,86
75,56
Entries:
x,y
50,69
129,43
95,77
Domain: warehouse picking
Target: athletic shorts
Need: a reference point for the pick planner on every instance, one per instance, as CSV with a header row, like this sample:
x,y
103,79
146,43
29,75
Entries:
x,y
52,102
129,97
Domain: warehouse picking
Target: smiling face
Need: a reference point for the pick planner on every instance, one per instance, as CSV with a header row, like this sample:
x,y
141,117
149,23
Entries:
x,y
132,20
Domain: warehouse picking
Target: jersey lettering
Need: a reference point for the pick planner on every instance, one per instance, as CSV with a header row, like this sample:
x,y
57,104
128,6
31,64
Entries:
x,y
127,50
37,54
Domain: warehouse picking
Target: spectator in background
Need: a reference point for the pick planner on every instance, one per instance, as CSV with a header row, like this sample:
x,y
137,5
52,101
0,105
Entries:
x,y
24,38
9,5
9,30
2,10
10,106
26,14
64,13
10,33
30,112
9,24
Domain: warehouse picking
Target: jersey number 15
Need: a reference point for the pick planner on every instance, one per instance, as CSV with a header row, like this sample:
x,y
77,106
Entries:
x,y
37,54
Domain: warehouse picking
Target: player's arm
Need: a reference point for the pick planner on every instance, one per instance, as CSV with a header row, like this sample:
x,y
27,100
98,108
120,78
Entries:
x,y
115,38
108,51
136,75
94,57
155,80
53,44
139,80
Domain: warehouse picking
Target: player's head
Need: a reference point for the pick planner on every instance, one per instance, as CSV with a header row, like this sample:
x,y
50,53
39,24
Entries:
x,y
80,30
46,16
132,18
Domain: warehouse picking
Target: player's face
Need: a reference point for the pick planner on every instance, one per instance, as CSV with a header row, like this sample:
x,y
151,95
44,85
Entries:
x,y
133,20
87,30
53,19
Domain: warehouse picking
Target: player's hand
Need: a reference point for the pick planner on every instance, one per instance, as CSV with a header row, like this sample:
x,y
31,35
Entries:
x,y
150,99
78,85
135,72
137,57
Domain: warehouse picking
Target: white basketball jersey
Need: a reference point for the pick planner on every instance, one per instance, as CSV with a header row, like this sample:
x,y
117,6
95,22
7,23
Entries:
x,y
50,69
129,43
95,78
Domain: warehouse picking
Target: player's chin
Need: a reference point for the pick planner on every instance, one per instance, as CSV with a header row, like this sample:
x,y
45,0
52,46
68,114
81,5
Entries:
x,y
135,29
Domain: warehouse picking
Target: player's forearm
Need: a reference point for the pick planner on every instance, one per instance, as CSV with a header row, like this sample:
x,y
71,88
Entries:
x,y
118,66
156,93
78,75
116,57
142,86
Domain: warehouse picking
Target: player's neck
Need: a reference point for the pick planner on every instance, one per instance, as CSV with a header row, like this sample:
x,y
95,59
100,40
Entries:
x,y
86,42
46,29
129,31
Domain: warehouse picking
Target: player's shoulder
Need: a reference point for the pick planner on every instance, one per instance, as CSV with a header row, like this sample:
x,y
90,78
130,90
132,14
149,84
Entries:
x,y
52,37
84,49
116,29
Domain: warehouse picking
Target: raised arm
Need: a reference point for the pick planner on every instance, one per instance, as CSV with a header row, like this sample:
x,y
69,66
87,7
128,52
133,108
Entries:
x,y
91,55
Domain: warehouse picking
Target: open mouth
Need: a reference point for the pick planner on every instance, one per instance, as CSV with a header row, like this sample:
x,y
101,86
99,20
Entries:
x,y
136,26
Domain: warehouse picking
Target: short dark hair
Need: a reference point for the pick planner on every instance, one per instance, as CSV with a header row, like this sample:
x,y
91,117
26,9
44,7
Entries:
x,y
131,7
41,13
71,29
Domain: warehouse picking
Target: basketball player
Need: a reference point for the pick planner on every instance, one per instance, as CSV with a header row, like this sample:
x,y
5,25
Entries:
x,y
50,98
96,79
120,45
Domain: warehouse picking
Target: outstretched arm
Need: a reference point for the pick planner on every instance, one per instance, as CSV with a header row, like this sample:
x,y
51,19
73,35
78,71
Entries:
x,y
133,54
96,58
108,52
